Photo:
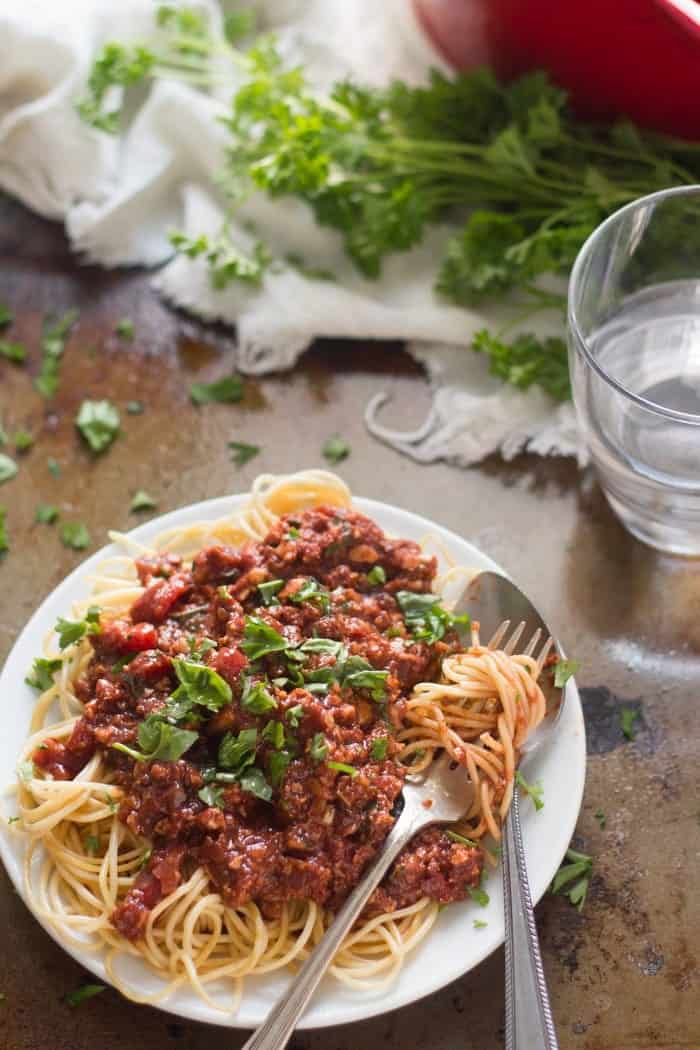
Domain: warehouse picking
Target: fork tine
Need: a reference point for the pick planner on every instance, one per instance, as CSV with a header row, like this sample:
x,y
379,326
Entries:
x,y
514,638
546,649
533,642
498,634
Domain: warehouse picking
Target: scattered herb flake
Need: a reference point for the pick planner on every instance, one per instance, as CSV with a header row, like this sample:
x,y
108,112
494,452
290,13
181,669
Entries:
x,y
343,767
269,590
376,575
26,771
53,342
480,896
134,408
15,352
456,837
46,514
535,791
573,878
98,423
41,675
4,538
142,501
601,818
74,535
22,440
379,748
125,329
243,453
228,389
211,795
335,450
319,747
82,994
628,716
425,618
71,631
53,467
6,317
8,468
479,924
92,845
564,670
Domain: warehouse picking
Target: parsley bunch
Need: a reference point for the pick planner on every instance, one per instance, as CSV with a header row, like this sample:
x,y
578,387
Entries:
x,y
524,180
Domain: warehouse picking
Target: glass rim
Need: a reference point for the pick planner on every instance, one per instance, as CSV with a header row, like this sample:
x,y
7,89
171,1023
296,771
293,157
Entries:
x,y
588,246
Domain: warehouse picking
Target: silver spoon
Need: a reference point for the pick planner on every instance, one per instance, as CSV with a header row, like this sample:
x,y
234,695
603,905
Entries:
x,y
442,795
496,603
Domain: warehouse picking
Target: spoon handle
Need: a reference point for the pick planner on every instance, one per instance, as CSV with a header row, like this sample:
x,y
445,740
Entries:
x,y
275,1031
529,1023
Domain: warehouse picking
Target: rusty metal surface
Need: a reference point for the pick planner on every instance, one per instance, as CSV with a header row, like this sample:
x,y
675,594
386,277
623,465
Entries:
x,y
624,974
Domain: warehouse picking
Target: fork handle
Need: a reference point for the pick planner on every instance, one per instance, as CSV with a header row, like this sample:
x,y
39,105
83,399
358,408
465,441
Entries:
x,y
275,1031
529,1023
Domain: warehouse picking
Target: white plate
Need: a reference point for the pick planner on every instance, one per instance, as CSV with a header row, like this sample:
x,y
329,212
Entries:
x,y
453,946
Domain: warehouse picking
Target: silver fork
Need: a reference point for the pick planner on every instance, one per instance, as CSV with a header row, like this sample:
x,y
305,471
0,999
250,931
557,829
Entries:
x,y
496,602
442,795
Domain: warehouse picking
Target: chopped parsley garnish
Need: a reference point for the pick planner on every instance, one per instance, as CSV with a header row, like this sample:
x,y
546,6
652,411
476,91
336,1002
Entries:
x,y
228,389
26,771
41,675
200,646
343,767
277,765
53,467
379,748
8,468
134,408
479,924
4,539
480,896
53,342
425,618
269,590
98,423
601,818
357,673
253,780
15,352
22,440
335,450
125,329
535,791
71,631
456,837
74,535
256,699
199,685
273,733
312,591
46,514
293,533
564,670
142,501
85,992
211,795
319,747
376,575
574,877
6,316
237,752
628,716
294,715
242,452
159,740
259,639
92,844
322,645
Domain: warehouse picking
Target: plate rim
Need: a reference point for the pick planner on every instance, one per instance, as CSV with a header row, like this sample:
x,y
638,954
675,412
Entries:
x,y
343,1014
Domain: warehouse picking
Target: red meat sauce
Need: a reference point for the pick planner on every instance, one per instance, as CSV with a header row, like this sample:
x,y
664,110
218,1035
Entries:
x,y
313,839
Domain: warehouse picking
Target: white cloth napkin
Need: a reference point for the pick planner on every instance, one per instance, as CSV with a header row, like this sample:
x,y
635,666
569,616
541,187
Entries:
x,y
120,196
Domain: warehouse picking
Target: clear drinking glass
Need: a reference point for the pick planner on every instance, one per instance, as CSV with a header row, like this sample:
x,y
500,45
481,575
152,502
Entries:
x,y
634,354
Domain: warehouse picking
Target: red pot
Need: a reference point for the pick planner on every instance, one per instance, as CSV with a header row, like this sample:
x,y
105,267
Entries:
x,y
639,58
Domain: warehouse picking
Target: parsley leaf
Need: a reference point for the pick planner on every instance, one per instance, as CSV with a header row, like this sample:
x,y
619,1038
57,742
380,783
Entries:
x,y
312,591
22,440
480,896
8,468
343,767
15,352
269,590
564,670
319,747
479,924
200,685
259,639
6,317
628,716
601,818
82,994
211,795
376,575
294,715
243,453
335,450
228,389
125,329
256,699
277,764
98,423
253,780
533,790
71,631
425,618
576,875
53,341
379,748
41,676
142,501
159,741
237,752
134,408
74,535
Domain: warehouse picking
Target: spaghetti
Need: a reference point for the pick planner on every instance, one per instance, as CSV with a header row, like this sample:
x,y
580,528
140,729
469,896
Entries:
x,y
84,792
